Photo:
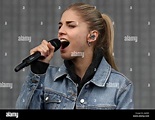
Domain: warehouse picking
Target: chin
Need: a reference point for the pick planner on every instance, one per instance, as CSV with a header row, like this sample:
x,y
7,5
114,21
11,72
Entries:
x,y
65,57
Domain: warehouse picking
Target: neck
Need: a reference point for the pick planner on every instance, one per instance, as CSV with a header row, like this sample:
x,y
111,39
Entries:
x,y
81,64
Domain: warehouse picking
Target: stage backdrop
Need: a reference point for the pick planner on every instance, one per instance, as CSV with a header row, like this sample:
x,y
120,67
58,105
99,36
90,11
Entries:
x,y
25,23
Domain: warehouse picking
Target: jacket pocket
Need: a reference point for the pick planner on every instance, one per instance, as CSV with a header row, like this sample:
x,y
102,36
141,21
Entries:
x,y
52,100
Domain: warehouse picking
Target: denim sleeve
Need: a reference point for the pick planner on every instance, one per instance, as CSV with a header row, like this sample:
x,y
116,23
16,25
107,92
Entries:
x,y
31,94
125,98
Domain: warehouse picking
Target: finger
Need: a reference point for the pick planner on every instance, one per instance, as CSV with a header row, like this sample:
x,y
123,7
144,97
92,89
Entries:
x,y
51,47
32,51
42,48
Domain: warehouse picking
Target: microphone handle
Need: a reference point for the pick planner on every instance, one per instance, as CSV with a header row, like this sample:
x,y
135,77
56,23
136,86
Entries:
x,y
32,58
27,61
20,66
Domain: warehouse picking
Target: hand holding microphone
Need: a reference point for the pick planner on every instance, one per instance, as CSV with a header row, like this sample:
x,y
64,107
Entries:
x,y
44,52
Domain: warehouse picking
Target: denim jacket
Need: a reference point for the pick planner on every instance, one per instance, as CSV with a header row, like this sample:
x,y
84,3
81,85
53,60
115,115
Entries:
x,y
108,89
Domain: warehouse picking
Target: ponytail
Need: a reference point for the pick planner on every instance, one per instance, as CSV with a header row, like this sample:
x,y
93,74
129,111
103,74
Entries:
x,y
108,41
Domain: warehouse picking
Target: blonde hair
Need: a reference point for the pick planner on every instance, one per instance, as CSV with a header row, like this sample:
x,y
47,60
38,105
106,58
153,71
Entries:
x,y
103,24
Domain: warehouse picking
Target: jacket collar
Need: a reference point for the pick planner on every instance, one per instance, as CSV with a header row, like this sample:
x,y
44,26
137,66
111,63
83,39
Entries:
x,y
102,74
100,78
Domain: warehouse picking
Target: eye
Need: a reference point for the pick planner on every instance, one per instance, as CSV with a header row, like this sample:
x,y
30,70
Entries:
x,y
59,26
71,26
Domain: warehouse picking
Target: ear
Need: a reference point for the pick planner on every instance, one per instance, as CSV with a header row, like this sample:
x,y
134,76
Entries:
x,y
92,36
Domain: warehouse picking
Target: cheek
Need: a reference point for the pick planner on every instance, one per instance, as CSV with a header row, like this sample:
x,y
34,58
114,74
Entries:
x,y
80,42
79,38
79,46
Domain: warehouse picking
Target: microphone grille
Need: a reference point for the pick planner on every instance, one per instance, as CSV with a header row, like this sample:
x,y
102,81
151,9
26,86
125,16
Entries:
x,y
56,43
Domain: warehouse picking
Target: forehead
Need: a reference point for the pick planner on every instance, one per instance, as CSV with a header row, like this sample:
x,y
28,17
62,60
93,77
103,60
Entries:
x,y
70,15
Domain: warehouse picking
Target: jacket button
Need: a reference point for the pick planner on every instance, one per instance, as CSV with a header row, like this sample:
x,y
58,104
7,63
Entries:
x,y
46,99
82,101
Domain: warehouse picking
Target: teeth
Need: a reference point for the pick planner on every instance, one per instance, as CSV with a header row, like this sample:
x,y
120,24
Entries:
x,y
63,40
64,43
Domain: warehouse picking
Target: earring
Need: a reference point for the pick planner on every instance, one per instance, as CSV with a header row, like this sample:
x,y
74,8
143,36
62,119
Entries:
x,y
89,44
92,36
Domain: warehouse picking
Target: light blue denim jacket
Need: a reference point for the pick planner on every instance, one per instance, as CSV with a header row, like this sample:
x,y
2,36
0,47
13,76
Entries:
x,y
108,89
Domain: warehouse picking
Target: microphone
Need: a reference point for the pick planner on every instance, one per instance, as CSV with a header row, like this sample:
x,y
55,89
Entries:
x,y
37,55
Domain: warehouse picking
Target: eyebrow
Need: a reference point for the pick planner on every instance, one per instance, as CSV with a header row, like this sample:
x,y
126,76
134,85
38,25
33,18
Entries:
x,y
67,22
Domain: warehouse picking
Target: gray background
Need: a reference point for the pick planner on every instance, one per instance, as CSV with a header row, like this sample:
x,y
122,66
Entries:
x,y
38,20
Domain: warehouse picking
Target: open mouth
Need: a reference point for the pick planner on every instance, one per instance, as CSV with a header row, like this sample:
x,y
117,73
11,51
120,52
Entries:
x,y
64,43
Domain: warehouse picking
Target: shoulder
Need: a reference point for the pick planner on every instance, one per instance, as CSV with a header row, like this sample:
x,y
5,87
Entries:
x,y
120,78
